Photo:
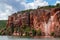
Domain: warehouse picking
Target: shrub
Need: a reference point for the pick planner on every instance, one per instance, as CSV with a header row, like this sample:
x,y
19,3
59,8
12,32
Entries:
x,y
38,33
34,32
52,33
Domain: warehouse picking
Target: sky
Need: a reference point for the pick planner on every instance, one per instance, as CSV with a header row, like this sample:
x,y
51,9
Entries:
x,y
8,7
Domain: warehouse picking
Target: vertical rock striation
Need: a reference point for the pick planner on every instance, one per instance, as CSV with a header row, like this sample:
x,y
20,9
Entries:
x,y
36,19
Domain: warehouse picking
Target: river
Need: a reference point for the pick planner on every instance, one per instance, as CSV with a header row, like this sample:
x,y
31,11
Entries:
x,y
18,38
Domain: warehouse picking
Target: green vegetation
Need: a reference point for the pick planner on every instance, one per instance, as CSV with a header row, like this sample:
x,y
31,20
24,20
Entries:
x,y
2,24
44,7
34,32
26,29
39,33
52,33
50,6
58,5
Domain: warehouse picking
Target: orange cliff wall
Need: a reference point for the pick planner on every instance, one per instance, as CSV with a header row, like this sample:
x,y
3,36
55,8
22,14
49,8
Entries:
x,y
36,19
55,21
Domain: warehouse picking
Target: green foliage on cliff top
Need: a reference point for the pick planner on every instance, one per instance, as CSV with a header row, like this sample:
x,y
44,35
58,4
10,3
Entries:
x,y
44,7
50,6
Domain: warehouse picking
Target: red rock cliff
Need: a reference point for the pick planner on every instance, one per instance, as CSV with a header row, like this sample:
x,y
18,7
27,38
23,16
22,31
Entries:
x,y
37,19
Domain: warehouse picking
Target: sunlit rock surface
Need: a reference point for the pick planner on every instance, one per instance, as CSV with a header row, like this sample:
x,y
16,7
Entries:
x,y
40,19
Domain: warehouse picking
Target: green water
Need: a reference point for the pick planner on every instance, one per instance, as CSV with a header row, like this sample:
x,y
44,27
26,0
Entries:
x,y
18,38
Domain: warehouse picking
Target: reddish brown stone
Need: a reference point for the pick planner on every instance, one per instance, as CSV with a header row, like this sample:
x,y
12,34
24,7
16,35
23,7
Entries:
x,y
36,18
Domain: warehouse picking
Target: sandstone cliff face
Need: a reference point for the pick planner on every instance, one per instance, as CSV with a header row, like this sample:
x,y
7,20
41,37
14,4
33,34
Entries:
x,y
38,19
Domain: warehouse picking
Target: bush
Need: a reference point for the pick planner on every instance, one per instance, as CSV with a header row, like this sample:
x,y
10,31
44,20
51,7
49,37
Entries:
x,y
58,5
52,33
26,30
0,33
34,32
39,33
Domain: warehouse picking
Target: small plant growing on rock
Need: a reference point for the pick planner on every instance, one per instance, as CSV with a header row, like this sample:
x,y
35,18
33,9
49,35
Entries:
x,y
52,33
38,33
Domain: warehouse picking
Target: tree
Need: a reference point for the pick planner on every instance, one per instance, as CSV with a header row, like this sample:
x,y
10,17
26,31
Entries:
x,y
58,4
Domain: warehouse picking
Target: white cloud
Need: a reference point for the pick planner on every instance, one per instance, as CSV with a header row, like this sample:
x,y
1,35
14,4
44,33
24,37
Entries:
x,y
5,11
33,5
57,2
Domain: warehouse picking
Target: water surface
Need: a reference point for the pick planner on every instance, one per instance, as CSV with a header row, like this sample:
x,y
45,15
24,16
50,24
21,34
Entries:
x,y
18,38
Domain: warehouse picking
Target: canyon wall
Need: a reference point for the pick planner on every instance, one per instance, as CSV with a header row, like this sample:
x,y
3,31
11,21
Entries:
x,y
39,19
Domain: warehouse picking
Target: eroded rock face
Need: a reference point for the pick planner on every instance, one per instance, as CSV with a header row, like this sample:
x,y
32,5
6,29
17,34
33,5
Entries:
x,y
38,19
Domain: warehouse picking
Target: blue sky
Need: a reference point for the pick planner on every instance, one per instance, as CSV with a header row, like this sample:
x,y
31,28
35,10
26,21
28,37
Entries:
x,y
51,2
8,7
